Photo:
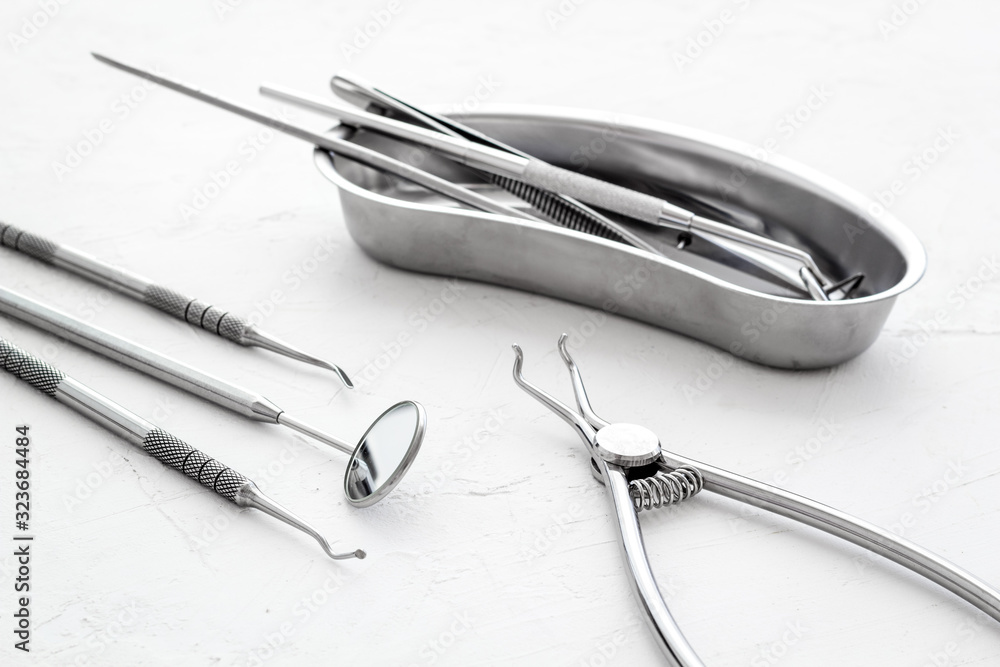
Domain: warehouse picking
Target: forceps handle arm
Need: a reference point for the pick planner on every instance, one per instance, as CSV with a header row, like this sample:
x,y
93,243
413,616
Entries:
x,y
669,637
862,533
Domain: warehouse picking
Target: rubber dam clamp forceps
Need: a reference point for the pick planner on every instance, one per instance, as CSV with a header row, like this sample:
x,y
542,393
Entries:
x,y
170,450
640,476
192,311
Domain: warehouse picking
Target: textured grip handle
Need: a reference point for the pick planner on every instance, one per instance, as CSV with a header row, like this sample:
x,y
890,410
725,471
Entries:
x,y
25,367
30,244
195,464
599,193
197,313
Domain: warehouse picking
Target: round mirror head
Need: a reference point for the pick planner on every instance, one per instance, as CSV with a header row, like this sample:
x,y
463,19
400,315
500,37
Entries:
x,y
385,453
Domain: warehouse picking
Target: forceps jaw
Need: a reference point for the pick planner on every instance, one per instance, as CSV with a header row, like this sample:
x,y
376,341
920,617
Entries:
x,y
579,390
626,445
579,424
610,447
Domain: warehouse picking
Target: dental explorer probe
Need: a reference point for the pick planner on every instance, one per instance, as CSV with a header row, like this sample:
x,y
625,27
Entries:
x,y
216,390
194,312
639,206
170,450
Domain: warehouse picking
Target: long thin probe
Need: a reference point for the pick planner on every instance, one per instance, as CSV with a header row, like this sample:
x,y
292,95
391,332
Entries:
x,y
194,312
169,449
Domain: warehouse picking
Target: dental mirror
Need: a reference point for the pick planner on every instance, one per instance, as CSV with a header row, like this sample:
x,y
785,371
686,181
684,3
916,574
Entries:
x,y
384,454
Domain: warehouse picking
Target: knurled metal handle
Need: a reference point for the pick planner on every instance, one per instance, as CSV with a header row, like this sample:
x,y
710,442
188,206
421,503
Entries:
x,y
169,449
30,244
194,463
25,367
182,307
196,312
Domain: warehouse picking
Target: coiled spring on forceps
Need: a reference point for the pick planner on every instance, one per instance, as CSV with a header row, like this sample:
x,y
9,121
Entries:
x,y
666,487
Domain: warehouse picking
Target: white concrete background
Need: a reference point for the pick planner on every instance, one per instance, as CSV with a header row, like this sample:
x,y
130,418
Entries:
x,y
127,569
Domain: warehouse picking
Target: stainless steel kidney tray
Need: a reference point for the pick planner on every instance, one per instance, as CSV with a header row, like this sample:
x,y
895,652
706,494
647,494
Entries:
x,y
699,296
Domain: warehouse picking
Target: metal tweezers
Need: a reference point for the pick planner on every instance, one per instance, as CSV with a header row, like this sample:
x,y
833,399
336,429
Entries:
x,y
639,475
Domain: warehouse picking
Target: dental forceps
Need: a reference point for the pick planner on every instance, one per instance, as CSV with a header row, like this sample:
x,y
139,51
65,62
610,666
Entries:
x,y
640,476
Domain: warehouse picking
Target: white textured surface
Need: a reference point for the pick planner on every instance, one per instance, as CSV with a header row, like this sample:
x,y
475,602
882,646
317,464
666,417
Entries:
x,y
132,574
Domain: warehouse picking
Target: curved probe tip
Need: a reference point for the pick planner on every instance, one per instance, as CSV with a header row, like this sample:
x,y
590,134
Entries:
x,y
360,554
342,375
518,361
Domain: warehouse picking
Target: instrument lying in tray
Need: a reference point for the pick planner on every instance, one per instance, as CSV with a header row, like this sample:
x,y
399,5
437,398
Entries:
x,y
700,235
816,307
